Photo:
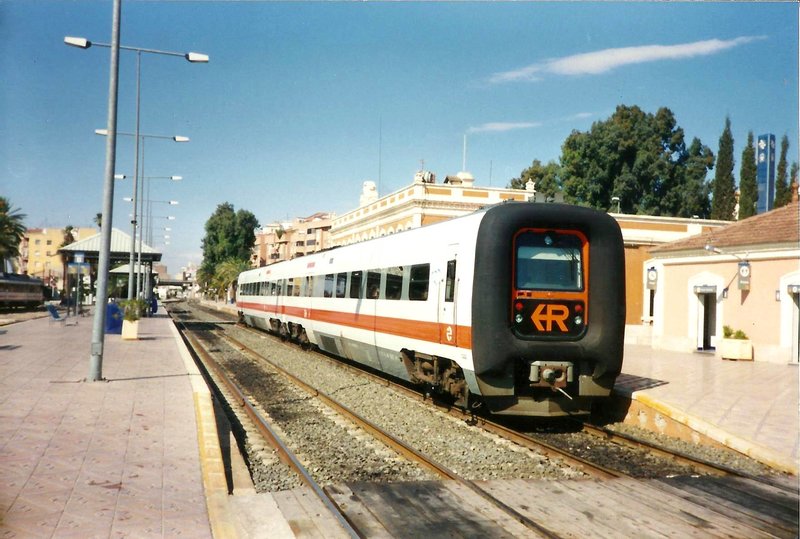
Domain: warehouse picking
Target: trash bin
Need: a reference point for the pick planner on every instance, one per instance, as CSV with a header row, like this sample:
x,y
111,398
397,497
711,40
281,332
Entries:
x,y
113,319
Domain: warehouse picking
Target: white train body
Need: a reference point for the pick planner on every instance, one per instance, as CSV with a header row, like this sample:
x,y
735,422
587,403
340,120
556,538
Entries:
x,y
372,331
406,305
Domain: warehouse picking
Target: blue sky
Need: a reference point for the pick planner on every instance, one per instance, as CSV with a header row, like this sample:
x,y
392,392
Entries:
x,y
302,102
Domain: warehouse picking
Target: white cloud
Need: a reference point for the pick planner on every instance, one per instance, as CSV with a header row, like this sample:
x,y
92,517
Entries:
x,y
594,63
502,126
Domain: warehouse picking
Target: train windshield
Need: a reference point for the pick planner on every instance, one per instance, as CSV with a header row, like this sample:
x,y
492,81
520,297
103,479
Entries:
x,y
549,261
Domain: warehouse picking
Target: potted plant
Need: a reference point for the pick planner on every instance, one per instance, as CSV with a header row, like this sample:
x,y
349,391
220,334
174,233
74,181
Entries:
x,y
735,345
132,310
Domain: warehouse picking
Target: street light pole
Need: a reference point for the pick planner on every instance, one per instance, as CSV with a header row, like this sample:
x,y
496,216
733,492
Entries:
x,y
104,255
137,221
98,326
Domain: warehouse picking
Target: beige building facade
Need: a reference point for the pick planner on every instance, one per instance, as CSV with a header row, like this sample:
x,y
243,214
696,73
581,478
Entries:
x,y
39,255
745,276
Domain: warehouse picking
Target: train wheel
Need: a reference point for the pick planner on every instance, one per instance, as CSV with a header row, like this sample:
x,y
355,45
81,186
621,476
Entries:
x,y
302,339
284,332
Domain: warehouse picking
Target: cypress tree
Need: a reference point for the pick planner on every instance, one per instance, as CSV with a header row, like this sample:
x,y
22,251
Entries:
x,y
724,201
783,194
748,187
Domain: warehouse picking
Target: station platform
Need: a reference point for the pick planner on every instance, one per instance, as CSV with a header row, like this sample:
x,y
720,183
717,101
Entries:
x,y
139,455
134,455
749,406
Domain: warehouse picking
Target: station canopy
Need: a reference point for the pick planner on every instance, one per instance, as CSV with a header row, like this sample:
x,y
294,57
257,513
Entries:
x,y
120,249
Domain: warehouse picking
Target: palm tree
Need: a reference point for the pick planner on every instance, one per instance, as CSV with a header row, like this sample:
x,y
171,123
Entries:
x,y
227,272
12,230
69,238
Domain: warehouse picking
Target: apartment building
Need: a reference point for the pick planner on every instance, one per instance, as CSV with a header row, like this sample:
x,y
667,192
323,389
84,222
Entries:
x,y
39,255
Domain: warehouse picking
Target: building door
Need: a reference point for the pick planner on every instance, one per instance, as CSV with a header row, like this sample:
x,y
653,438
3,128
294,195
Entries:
x,y
706,320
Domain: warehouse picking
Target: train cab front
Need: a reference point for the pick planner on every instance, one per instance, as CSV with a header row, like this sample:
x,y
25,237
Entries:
x,y
550,310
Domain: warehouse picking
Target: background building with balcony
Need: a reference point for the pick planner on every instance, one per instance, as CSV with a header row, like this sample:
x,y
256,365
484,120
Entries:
x,y
39,256
284,241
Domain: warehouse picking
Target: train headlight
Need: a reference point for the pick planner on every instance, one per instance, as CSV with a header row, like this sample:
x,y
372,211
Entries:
x,y
518,318
578,320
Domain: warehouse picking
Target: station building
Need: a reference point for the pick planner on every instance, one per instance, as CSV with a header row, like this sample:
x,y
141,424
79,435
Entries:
x,y
745,276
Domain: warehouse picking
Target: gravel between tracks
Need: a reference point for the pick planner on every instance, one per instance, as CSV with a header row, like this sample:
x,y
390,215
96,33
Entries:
x,y
468,451
472,452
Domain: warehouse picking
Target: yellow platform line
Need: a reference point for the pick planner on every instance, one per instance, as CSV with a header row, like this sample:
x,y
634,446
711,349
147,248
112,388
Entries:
x,y
212,466
753,450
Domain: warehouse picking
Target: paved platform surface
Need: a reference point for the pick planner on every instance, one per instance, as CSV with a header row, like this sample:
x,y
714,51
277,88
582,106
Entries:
x,y
750,406
116,458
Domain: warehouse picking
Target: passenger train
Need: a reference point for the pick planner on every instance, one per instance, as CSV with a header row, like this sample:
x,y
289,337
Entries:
x,y
518,307
20,290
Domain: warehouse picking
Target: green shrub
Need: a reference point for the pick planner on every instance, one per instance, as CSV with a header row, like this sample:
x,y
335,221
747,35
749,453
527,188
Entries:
x,y
133,309
729,333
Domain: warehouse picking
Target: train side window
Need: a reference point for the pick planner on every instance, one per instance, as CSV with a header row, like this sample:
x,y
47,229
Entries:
x,y
309,286
297,282
355,284
329,285
419,277
341,285
394,282
450,283
373,284
289,287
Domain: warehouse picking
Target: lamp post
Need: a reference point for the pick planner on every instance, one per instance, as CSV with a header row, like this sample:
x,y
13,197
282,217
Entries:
x,y
138,209
104,255
193,57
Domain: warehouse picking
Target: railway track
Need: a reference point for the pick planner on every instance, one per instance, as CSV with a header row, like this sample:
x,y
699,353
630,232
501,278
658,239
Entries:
x,y
344,500
237,397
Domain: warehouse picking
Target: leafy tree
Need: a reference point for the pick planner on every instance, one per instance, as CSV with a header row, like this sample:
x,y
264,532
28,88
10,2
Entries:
x,y
724,201
724,196
783,192
12,230
229,234
748,184
642,159
547,178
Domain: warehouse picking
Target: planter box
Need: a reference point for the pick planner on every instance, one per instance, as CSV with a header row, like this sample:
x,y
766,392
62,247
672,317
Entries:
x,y
130,330
736,349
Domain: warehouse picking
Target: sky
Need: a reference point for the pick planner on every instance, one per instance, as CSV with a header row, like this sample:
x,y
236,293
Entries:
x,y
301,102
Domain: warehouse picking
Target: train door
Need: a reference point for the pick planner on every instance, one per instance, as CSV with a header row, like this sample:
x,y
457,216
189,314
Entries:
x,y
448,327
706,319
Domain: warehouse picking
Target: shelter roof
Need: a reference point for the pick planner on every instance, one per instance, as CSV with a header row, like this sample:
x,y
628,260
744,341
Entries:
x,y
775,228
120,245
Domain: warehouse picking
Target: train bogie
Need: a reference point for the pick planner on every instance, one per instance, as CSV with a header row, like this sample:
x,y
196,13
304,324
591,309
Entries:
x,y
518,306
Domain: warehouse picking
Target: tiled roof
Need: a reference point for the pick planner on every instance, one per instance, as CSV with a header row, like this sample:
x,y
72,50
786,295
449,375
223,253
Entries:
x,y
120,244
776,227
